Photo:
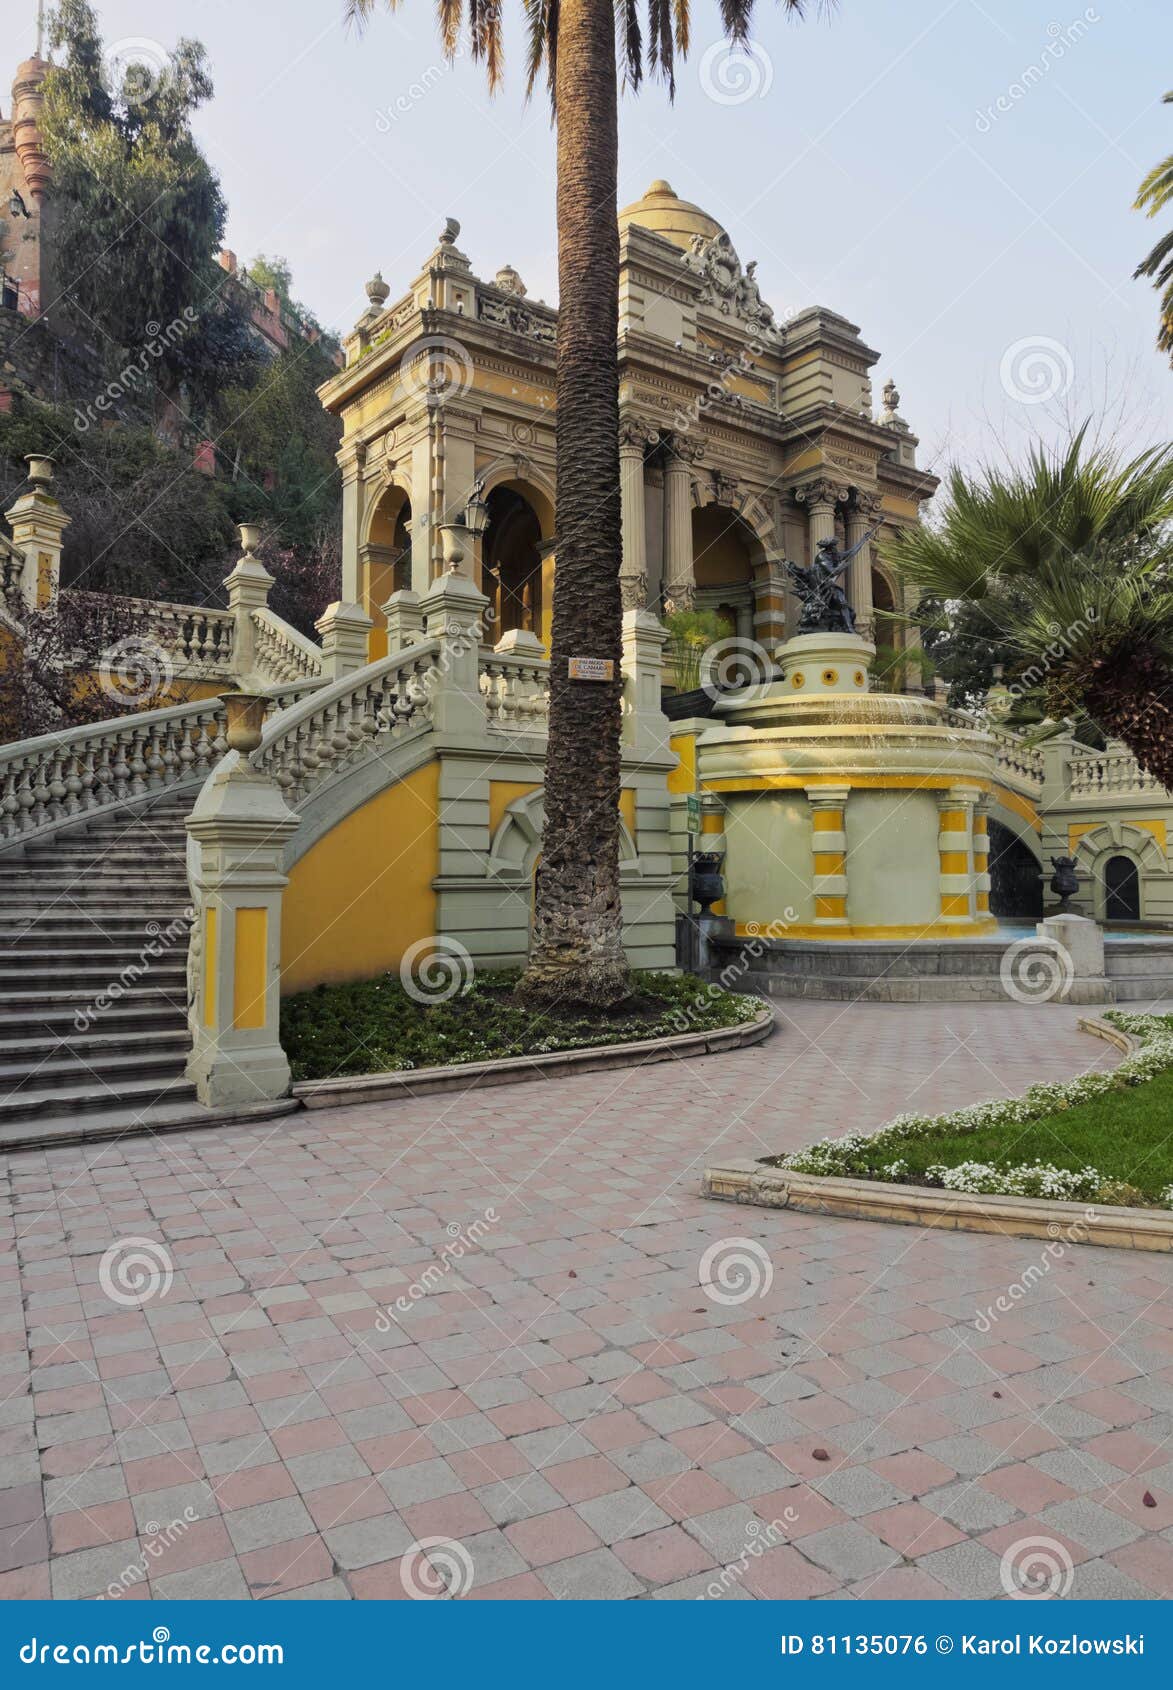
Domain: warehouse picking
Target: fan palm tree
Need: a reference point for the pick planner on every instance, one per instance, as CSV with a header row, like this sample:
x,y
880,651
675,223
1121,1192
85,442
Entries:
x,y
1071,559
1155,193
582,46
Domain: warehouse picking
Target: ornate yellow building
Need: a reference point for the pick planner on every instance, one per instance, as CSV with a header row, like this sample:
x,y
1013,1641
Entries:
x,y
744,440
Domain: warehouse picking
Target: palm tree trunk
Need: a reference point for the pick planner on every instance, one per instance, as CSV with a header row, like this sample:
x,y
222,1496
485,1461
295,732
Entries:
x,y
1131,697
577,952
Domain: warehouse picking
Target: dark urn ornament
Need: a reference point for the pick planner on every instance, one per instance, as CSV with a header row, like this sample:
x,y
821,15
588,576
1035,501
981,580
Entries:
x,y
1064,882
705,882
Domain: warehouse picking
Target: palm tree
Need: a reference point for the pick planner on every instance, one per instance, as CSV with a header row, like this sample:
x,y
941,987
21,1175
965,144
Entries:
x,y
1070,559
577,951
1155,193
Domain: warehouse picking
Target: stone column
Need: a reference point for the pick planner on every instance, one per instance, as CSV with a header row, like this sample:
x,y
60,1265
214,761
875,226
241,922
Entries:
x,y
981,855
955,848
351,458
679,584
819,498
829,854
344,629
769,604
861,515
248,590
240,824
633,571
37,523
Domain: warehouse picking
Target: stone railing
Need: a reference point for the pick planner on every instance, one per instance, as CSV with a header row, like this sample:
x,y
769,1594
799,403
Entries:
x,y
516,692
1020,765
351,719
1109,774
59,779
195,638
280,652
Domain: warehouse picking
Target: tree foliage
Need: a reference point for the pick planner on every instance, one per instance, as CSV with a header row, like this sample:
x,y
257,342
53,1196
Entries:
x,y
1155,193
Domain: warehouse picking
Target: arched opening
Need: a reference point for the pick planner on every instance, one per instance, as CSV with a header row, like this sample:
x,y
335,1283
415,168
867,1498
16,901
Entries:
x,y
511,563
1016,881
888,670
723,551
386,556
1121,889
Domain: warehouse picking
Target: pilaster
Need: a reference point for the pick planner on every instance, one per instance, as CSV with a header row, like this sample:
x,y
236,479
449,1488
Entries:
x,y
828,805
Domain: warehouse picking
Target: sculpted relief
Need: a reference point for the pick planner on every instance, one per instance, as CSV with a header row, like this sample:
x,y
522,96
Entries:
x,y
732,289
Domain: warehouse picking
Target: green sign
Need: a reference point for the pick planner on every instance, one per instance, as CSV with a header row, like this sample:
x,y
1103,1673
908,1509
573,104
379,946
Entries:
x,y
694,813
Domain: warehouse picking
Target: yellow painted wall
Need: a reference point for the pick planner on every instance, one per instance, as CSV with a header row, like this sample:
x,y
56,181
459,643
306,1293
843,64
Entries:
x,y
363,894
683,777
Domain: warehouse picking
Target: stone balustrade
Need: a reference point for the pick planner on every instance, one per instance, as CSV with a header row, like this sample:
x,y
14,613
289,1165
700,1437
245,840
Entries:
x,y
1020,764
195,638
280,652
1109,774
59,778
516,691
353,718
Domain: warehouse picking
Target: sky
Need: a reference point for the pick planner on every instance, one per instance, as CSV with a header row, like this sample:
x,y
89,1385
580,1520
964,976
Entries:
x,y
954,176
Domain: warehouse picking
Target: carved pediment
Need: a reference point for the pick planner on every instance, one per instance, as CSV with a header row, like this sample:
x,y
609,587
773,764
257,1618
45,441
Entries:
x,y
732,289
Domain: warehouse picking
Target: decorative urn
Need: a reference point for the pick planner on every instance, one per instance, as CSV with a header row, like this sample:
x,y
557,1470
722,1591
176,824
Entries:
x,y
705,882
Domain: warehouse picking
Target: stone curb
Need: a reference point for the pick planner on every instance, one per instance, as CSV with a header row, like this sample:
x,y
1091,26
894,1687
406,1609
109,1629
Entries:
x,y
955,1211
466,1076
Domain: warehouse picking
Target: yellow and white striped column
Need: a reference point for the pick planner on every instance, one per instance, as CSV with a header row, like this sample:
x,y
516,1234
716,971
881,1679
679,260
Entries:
x,y
829,854
955,848
712,834
981,855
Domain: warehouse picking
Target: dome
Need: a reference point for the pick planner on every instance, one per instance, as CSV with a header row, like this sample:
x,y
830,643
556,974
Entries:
x,y
675,219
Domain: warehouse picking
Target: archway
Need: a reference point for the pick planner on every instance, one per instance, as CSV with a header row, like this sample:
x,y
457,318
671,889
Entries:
x,y
724,548
1121,889
511,562
1016,881
385,557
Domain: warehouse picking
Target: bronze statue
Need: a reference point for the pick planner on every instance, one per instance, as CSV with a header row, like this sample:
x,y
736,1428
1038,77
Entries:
x,y
825,607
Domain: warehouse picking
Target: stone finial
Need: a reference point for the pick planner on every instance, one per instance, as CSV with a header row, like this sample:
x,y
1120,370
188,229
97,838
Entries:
x,y
450,232
890,416
377,291
508,280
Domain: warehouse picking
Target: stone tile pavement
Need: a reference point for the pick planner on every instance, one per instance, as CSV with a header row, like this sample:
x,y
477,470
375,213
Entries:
x,y
276,1361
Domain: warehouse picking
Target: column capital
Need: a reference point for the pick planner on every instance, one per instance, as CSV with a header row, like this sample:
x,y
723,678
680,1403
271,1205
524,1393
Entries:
x,y
821,490
828,797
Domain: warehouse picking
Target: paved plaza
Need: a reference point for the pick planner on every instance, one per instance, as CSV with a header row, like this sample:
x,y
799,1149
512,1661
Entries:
x,y
273,1361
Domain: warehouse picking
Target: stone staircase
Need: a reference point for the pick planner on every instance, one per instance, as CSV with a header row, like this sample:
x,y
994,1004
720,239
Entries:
x,y
93,974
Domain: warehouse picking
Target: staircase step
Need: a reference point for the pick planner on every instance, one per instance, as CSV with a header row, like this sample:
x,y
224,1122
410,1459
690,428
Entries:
x,y
36,1102
90,1046
104,1073
21,1029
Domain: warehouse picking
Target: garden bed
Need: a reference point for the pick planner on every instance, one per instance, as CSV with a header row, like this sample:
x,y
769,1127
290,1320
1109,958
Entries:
x,y
380,1027
1099,1138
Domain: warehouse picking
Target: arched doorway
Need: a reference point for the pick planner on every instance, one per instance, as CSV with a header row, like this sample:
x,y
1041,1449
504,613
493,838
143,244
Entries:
x,y
723,549
1121,889
1016,880
511,563
385,558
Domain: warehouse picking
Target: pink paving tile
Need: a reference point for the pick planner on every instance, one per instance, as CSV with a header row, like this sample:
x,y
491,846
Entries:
x,y
1113,1406
1149,1561
396,1449
341,1505
489,1462
562,1376
243,1488
797,1511
1027,1487
798,1456
1019,1437
1006,1537
684,1495
384,1582
664,1556
522,1587
202,1543
305,1437
440,1405
1130,1450
552,1537
455,1516
67,1401
290,1381
640,1387
85,1528
533,1415
911,1529
708,1443
64,1460
288,1566
26,1584
584,1477
781,1574
822,1412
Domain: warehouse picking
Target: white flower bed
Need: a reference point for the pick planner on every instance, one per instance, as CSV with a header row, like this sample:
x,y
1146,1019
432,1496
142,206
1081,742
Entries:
x,y
859,1155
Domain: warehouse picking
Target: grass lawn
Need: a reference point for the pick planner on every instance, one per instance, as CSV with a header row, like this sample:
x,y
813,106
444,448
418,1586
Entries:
x,y
377,1026
1103,1137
